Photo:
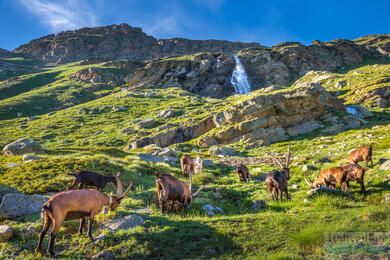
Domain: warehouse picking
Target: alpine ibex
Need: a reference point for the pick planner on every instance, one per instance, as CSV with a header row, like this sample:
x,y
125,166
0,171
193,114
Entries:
x,y
276,181
362,153
329,178
77,204
91,179
243,173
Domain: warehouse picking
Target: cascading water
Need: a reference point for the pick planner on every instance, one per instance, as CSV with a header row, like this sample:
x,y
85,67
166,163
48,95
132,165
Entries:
x,y
239,78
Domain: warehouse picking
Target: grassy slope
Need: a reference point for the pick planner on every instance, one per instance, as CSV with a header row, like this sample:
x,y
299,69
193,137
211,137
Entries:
x,y
283,230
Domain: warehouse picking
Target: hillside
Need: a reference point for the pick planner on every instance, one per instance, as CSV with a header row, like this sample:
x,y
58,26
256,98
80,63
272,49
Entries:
x,y
118,112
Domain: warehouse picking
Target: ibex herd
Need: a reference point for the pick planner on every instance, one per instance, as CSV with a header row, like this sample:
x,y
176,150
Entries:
x,y
82,204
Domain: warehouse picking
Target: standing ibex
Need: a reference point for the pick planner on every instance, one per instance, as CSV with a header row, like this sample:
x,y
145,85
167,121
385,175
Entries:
x,y
276,181
187,165
91,179
362,153
77,204
329,178
355,173
243,173
170,189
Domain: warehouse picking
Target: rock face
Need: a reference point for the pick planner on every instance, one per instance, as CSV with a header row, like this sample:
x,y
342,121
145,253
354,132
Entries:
x,y
16,205
98,75
259,120
23,146
258,205
116,42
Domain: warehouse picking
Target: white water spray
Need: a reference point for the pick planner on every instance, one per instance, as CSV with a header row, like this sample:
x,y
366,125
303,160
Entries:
x,y
239,78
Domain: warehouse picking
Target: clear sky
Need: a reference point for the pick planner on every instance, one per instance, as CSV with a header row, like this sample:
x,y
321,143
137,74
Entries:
x,y
266,22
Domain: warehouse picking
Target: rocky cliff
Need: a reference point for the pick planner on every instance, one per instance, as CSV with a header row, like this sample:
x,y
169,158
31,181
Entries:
x,y
208,74
116,42
260,119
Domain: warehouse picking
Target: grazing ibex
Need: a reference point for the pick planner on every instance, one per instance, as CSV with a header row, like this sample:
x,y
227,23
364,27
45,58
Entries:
x,y
91,179
355,173
243,173
187,165
170,189
276,181
329,178
363,153
77,204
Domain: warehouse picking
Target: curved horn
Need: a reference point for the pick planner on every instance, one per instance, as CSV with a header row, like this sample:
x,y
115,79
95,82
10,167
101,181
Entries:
x,y
309,183
288,157
119,186
127,190
196,194
190,186
281,165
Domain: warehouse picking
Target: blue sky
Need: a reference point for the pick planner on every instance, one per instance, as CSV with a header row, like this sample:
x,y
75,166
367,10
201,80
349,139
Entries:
x,y
266,22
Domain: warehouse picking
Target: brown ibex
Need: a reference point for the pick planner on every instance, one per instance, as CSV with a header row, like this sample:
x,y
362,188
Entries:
x,y
187,165
91,179
355,173
329,178
170,189
363,153
276,181
77,204
243,173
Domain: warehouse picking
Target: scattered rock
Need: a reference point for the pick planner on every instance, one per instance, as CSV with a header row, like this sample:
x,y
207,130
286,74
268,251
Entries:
x,y
258,205
19,114
166,114
122,108
30,157
5,233
16,205
156,159
146,123
50,113
217,195
340,84
223,151
23,146
335,128
321,160
359,111
294,186
124,223
211,210
208,163
104,255
4,190
127,131
385,165
168,152
32,118
307,168
12,165
261,177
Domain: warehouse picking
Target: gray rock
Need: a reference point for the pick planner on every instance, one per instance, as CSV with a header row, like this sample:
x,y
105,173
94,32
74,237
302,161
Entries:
x,y
211,210
168,152
351,122
224,151
166,114
124,223
127,131
258,205
32,118
5,233
381,160
340,84
170,159
385,166
4,190
30,157
359,111
146,123
12,165
307,168
208,163
19,114
23,146
104,255
261,177
50,113
294,186
16,205
303,128
217,195
335,128
150,158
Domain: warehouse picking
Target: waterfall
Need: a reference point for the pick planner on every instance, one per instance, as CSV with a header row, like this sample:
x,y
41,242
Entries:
x,y
239,78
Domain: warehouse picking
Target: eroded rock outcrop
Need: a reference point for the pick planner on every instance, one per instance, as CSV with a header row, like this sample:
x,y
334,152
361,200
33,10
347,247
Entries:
x,y
259,120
